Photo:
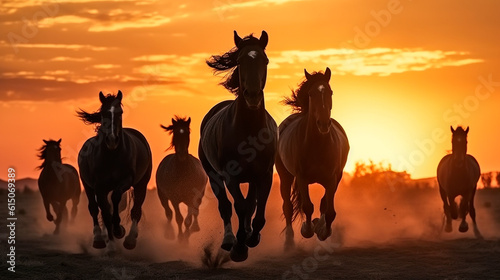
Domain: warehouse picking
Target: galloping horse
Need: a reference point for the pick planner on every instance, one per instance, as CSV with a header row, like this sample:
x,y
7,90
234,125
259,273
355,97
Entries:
x,y
312,148
113,161
181,178
58,183
238,143
458,174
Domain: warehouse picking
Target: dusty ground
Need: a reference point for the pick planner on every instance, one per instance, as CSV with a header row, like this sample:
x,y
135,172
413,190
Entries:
x,y
376,236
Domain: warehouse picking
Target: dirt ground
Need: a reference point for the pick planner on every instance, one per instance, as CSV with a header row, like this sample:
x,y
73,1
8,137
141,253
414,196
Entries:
x,y
394,235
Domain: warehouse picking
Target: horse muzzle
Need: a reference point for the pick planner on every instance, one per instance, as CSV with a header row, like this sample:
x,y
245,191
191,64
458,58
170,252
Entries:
x,y
323,127
111,142
254,100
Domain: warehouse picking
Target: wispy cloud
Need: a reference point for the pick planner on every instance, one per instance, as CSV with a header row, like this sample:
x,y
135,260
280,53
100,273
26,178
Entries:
x,y
375,61
252,3
57,46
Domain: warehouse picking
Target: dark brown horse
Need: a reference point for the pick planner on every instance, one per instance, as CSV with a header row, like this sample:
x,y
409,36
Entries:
x,y
58,183
238,143
312,148
181,178
114,160
458,175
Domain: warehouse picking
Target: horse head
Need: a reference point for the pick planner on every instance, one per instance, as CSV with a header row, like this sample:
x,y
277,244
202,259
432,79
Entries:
x,y
320,100
51,151
111,119
252,68
459,144
181,133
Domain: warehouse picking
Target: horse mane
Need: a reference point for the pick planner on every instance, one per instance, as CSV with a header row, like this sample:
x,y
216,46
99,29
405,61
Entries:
x,y
94,118
300,99
43,155
227,63
170,128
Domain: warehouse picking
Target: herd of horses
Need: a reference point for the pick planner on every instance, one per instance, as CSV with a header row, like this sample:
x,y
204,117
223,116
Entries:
x,y
239,143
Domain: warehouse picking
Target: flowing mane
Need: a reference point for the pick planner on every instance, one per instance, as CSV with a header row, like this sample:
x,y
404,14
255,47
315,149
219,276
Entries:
x,y
176,122
227,63
43,153
300,98
95,118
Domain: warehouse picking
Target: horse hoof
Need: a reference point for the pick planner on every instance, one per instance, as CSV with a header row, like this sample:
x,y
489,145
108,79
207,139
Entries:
x,y
129,242
119,233
307,230
50,218
464,227
228,242
99,244
323,234
194,228
239,253
253,240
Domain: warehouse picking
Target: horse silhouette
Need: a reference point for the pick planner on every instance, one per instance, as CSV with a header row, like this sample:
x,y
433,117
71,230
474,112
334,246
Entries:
x,y
114,160
458,174
181,178
58,183
238,143
312,148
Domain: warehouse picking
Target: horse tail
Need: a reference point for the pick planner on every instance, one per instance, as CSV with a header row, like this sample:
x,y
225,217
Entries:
x,y
296,199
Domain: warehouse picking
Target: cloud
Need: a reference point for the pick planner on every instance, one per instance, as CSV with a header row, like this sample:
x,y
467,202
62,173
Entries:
x,y
57,46
374,61
229,5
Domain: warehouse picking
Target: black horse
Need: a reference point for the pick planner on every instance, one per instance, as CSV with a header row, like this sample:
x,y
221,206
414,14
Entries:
x,y
113,161
238,143
458,174
312,148
58,183
181,178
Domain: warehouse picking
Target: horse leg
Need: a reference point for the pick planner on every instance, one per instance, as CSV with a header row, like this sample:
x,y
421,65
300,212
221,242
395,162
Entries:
x,y
251,201
195,211
179,219
472,213
46,205
118,229
323,228
102,201
263,188
136,213
93,207
464,203
307,230
286,181
446,208
239,251
225,210
169,230
60,208
75,201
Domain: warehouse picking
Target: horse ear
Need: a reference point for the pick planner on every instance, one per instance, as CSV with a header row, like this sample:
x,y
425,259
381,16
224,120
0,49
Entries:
x,y
45,141
467,130
59,141
264,39
308,76
452,130
119,96
189,121
237,39
174,121
101,97
328,74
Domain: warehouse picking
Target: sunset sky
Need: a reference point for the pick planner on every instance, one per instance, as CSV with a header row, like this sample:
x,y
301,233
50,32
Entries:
x,y
402,71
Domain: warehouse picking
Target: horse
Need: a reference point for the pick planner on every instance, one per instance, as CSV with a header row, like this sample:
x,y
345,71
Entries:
x,y
114,160
58,183
181,178
457,175
312,148
238,143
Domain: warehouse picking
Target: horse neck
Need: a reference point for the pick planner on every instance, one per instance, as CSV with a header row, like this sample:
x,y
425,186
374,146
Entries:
x,y
181,151
247,117
313,136
49,165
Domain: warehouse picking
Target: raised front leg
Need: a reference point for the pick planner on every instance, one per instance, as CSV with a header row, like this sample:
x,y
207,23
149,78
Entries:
x,y
46,205
307,229
323,228
140,190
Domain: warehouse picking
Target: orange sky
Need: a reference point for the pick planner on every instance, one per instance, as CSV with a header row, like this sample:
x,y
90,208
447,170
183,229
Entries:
x,y
402,71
